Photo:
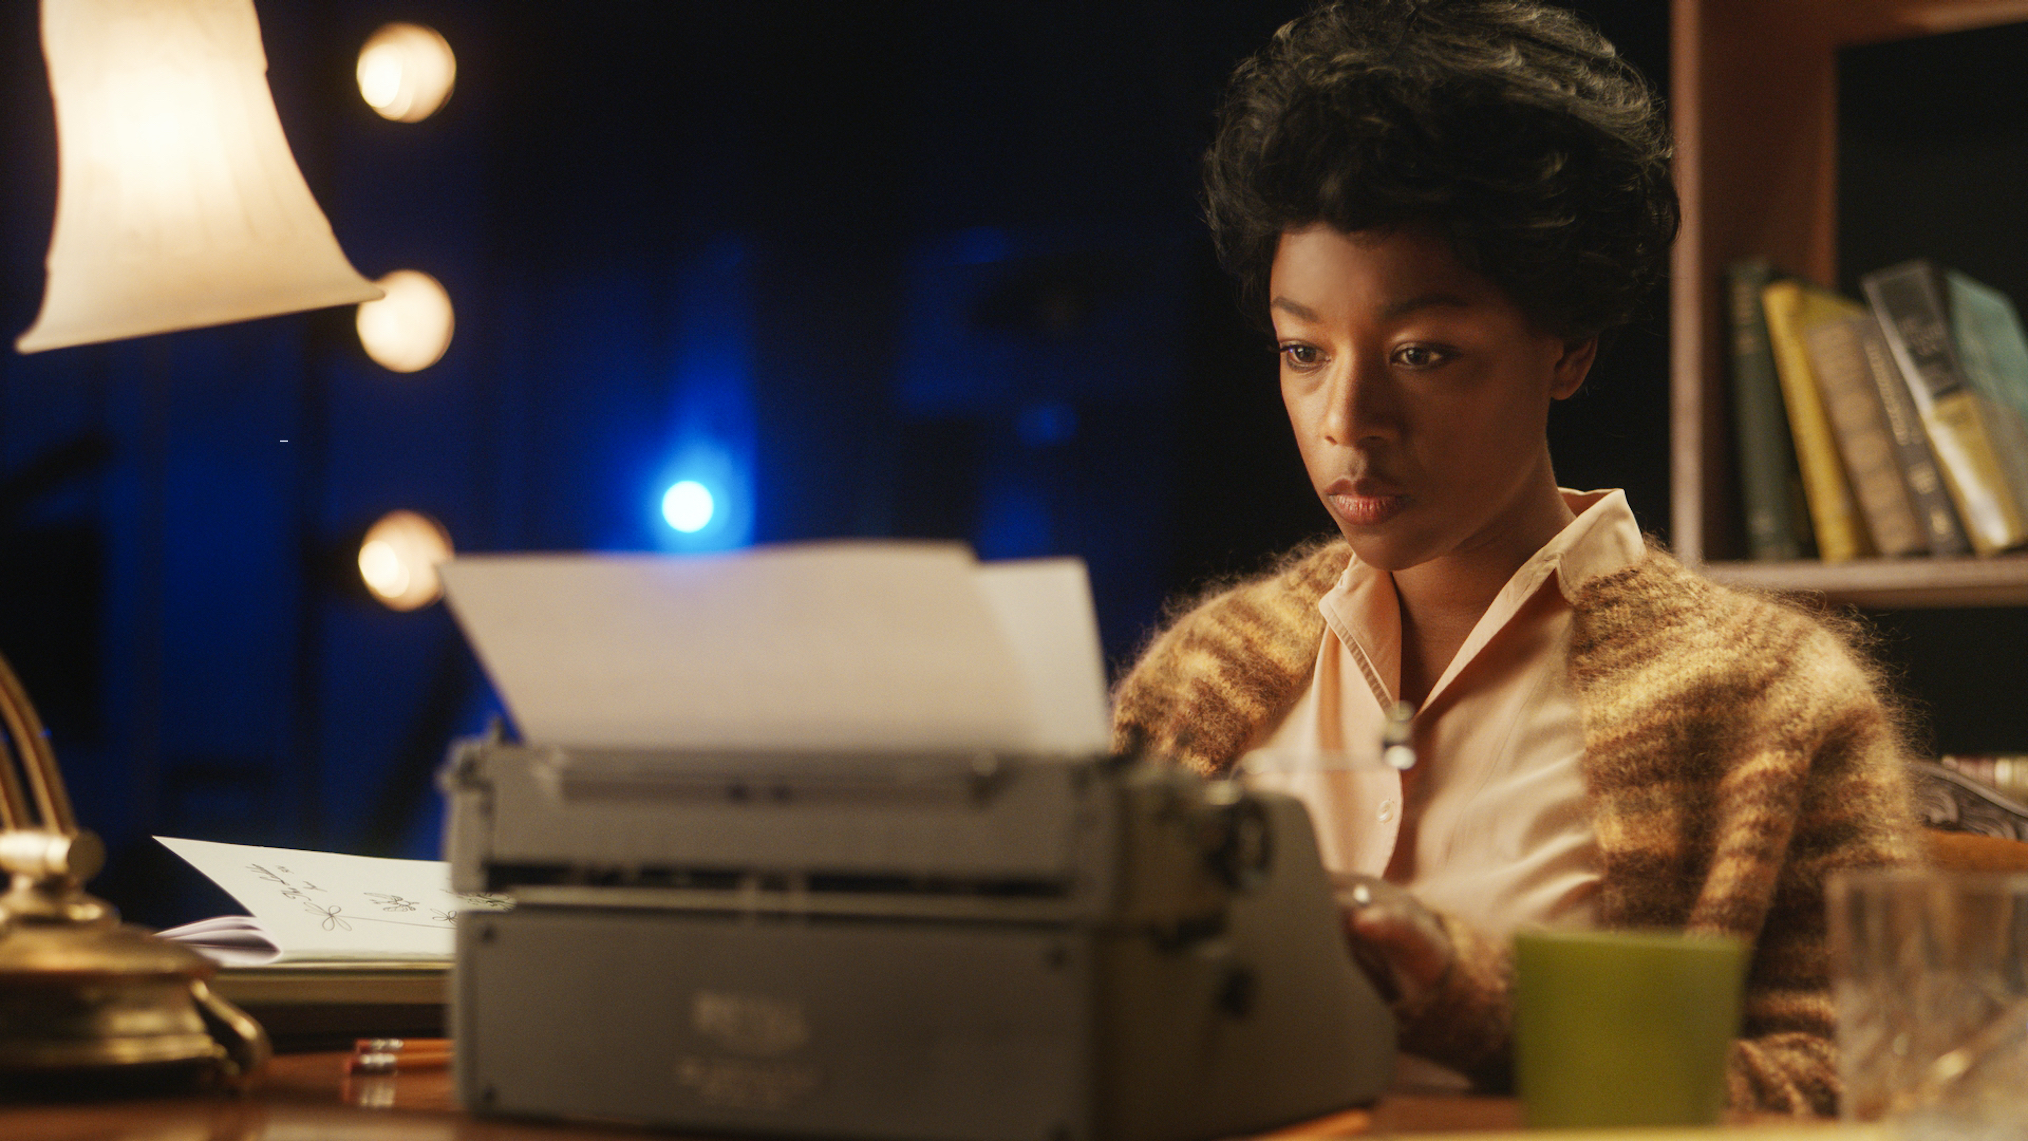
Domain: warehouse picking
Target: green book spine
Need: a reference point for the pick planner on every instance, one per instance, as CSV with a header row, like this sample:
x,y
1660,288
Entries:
x,y
1981,321
1770,484
1991,345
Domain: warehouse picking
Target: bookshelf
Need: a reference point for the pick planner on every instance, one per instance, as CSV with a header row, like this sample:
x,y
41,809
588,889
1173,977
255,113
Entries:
x,y
1754,100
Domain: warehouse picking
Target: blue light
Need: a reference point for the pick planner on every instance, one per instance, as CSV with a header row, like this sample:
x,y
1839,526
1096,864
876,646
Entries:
x,y
702,497
702,500
688,506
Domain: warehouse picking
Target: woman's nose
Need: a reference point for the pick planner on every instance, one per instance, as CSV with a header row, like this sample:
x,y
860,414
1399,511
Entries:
x,y
1362,406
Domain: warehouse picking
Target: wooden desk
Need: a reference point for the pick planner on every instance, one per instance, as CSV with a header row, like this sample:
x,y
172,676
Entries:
x,y
308,1097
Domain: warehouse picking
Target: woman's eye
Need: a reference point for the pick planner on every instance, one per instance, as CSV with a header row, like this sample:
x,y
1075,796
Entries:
x,y
1419,356
1302,356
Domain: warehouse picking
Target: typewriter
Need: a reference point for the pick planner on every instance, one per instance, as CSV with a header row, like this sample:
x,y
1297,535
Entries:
x,y
966,946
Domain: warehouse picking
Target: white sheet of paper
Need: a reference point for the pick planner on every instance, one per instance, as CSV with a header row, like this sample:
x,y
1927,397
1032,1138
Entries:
x,y
845,646
1044,610
322,905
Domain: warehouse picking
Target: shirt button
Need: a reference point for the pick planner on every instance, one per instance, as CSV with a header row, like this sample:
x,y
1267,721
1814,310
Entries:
x,y
1387,808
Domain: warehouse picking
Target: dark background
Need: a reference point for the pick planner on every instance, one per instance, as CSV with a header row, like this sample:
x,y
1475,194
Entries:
x,y
909,269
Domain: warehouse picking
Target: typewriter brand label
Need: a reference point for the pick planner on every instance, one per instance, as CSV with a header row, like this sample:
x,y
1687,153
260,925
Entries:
x,y
745,1083
756,1025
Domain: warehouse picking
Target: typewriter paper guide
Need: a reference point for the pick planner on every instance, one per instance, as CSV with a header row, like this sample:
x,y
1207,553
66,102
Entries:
x,y
831,646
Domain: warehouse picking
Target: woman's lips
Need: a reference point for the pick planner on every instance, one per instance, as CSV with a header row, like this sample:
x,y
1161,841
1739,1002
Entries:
x,y
1363,504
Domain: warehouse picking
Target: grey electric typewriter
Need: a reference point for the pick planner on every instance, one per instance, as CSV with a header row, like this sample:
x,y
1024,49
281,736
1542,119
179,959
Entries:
x,y
959,946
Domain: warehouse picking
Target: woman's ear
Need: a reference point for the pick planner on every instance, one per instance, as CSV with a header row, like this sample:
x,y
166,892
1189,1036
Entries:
x,y
1572,367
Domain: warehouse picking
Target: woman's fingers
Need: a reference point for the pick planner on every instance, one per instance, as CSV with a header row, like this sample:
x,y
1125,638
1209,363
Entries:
x,y
1397,941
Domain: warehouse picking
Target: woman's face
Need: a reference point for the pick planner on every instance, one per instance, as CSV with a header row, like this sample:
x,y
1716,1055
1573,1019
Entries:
x,y
1419,394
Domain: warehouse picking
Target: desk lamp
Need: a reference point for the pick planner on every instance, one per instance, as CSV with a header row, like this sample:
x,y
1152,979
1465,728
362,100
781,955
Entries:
x,y
178,206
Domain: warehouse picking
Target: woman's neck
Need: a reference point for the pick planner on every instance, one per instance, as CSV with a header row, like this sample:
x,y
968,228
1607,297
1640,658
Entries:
x,y
1443,599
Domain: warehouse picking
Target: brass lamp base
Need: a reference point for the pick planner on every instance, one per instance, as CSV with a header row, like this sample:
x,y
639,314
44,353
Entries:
x,y
92,995
80,991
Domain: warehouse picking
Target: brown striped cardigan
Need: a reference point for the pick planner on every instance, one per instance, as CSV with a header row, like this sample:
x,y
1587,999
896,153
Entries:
x,y
1735,751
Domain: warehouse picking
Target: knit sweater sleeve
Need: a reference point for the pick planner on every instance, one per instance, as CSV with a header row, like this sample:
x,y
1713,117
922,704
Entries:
x,y
1848,807
1467,1021
1738,752
1229,667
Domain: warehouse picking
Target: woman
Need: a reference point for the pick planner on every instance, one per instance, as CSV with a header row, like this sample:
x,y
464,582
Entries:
x,y
1444,207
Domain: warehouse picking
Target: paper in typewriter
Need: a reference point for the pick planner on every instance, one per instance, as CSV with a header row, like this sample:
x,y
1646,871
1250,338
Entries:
x,y
824,646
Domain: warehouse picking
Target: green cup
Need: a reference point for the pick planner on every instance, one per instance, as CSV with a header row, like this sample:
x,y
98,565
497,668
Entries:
x,y
1616,1028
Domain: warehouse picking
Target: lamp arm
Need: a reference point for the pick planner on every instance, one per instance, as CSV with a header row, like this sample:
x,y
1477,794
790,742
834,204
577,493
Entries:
x,y
38,764
13,805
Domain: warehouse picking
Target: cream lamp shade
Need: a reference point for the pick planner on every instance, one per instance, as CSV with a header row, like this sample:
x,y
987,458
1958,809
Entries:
x,y
178,203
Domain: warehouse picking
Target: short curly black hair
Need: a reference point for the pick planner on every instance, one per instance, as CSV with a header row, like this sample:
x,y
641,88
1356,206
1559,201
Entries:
x,y
1514,129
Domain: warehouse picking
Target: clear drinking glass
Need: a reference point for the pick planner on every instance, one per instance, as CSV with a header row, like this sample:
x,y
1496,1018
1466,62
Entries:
x,y
1930,977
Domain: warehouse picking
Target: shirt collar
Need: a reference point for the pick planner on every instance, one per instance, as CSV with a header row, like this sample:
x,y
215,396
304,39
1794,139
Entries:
x,y
1361,610
1604,539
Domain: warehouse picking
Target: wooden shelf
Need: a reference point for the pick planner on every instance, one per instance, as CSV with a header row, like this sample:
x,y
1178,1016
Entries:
x,y
1890,584
1754,101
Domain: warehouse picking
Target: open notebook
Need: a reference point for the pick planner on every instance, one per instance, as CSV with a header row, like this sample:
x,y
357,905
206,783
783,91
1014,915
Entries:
x,y
323,907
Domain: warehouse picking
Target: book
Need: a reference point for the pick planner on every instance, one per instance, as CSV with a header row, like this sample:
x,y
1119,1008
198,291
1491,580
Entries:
x,y
324,907
1792,308
329,1005
337,947
1967,430
1926,491
1859,426
1988,334
1770,485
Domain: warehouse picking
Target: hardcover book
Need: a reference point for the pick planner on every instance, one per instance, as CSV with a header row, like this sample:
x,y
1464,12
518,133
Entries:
x,y
1967,430
336,947
1792,308
1926,490
1770,485
1995,359
1859,424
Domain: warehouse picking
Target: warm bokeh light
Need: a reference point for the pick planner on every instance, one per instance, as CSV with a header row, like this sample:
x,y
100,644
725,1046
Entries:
x,y
409,329
688,506
398,559
406,72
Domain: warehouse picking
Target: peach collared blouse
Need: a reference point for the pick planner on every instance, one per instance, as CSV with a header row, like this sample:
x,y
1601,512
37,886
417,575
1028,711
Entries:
x,y
1496,832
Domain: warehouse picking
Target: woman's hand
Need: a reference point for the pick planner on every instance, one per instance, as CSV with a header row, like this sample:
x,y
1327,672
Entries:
x,y
1400,944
